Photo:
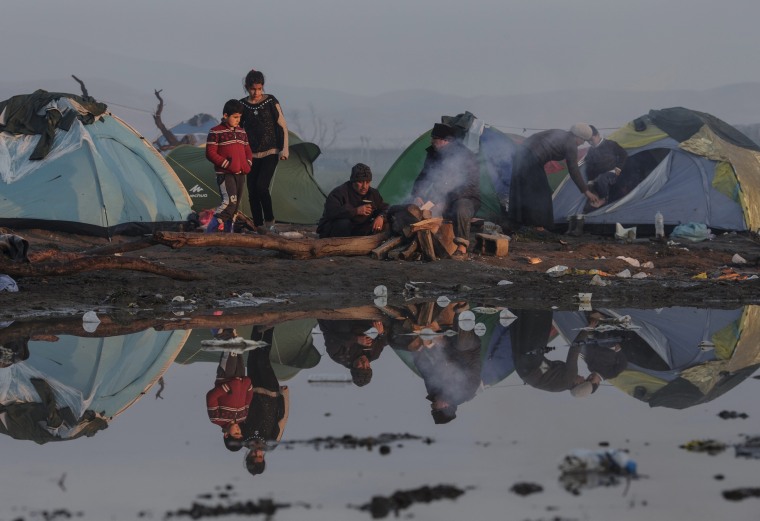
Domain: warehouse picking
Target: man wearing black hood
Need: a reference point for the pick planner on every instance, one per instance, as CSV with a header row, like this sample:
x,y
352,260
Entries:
x,y
450,178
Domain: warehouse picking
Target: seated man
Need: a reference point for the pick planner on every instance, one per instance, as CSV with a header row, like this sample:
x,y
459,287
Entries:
x,y
450,178
353,208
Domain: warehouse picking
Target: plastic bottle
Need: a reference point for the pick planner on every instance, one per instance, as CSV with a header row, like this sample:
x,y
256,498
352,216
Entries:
x,y
659,225
612,461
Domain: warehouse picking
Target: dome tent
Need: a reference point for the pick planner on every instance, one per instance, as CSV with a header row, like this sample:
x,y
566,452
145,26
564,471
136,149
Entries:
x,y
66,164
689,165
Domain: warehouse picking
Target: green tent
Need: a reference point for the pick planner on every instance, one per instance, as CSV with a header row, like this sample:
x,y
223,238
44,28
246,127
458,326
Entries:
x,y
495,151
292,347
296,196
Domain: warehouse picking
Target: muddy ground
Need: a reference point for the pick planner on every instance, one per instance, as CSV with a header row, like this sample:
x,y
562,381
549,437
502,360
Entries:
x,y
349,281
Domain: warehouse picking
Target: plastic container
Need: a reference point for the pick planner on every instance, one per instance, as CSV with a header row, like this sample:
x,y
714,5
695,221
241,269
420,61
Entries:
x,y
611,461
659,225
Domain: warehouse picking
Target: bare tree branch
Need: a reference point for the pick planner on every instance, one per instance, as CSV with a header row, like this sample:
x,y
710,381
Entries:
x,y
168,134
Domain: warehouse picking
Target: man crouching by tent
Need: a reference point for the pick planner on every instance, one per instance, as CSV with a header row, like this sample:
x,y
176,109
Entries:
x,y
450,179
530,196
353,208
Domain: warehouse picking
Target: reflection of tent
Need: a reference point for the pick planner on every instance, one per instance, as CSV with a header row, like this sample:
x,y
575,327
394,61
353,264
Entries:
x,y
99,176
495,150
102,375
690,165
292,347
685,356
296,196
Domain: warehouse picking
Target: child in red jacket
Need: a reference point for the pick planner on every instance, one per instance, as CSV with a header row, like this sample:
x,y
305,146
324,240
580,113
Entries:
x,y
228,401
228,149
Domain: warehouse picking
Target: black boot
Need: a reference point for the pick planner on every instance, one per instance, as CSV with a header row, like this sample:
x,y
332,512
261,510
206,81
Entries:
x,y
578,229
572,222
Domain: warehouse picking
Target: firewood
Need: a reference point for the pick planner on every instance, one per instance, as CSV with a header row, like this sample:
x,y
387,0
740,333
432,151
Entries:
x,y
428,224
410,250
380,251
425,239
73,265
444,239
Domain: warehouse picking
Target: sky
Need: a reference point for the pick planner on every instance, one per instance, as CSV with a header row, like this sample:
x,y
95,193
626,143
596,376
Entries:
x,y
482,47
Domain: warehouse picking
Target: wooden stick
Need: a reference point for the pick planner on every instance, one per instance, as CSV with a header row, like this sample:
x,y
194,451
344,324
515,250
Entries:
x,y
380,251
428,224
409,252
426,244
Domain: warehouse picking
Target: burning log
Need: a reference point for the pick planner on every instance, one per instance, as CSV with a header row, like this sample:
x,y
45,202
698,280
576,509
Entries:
x,y
73,263
380,251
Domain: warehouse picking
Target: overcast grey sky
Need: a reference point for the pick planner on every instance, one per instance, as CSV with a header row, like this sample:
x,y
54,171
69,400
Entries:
x,y
360,47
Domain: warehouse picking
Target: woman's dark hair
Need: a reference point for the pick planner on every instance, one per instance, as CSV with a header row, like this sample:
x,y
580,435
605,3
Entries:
x,y
252,78
594,131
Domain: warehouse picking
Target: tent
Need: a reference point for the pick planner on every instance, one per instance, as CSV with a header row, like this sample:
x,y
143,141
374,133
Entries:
x,y
689,165
494,150
292,347
296,196
68,165
95,378
681,357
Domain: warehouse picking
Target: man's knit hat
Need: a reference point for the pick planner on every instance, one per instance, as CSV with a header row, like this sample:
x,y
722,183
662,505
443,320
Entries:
x,y
361,172
442,131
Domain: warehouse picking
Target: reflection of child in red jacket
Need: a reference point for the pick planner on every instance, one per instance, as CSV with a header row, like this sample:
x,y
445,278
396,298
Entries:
x,y
228,401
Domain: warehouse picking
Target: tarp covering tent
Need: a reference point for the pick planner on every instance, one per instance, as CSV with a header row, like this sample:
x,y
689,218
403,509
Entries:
x,y
292,347
94,378
691,166
67,165
680,357
296,196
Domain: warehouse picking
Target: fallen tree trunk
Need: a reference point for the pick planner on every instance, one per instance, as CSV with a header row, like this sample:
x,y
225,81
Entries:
x,y
297,248
49,330
70,265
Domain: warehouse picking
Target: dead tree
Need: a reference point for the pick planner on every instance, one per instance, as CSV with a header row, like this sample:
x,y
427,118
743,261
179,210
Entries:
x,y
168,134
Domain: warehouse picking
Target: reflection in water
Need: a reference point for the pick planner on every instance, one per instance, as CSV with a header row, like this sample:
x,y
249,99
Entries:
x,y
68,386
57,387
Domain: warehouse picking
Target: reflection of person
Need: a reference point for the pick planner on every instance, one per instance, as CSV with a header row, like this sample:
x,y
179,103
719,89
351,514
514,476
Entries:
x,y
268,410
449,365
530,196
602,351
267,130
604,162
227,148
347,343
529,335
450,178
353,208
227,403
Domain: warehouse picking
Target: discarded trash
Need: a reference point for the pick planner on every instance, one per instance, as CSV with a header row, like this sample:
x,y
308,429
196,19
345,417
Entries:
x,y
640,275
178,298
480,329
90,321
372,333
8,284
622,234
381,291
749,449
584,468
485,310
292,235
694,232
596,280
466,320
443,301
711,447
648,265
504,283
329,378
738,259
700,276
633,262
381,302
533,260
625,274
557,271
506,317
584,297
236,344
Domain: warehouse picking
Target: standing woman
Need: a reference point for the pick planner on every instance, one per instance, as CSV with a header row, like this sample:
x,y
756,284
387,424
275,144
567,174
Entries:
x,y
267,132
